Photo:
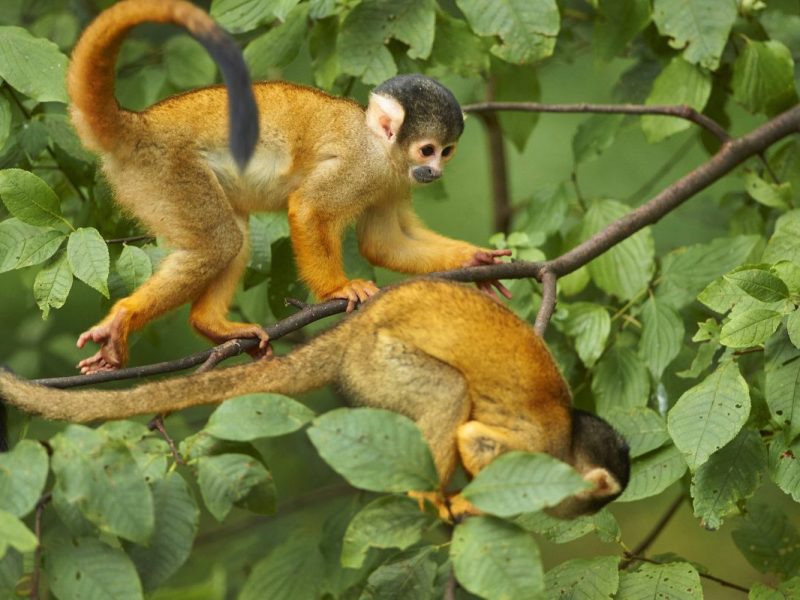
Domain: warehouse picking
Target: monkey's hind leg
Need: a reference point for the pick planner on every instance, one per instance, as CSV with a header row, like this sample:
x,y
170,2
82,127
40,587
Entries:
x,y
197,221
383,372
209,311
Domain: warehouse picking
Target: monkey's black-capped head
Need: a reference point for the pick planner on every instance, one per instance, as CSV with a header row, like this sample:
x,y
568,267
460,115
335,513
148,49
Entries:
x,y
420,116
602,456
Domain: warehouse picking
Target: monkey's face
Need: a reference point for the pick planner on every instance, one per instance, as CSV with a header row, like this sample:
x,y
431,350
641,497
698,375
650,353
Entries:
x,y
427,158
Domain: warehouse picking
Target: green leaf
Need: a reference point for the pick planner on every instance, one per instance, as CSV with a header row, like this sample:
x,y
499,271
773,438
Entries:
x,y
495,559
618,23
699,27
187,63
785,241
760,283
561,531
594,136
23,473
87,253
33,66
679,83
293,570
257,416
710,414
177,517
782,383
239,16
265,228
527,28
721,295
662,336
620,380
227,479
750,328
14,534
456,50
23,245
625,269
279,46
388,522
587,579
643,428
590,325
103,479
52,285
784,465
30,199
788,590
408,579
774,195
11,570
372,23
793,328
703,359
686,271
676,581
87,568
653,473
520,482
134,267
730,475
768,540
375,450
547,209
6,118
763,77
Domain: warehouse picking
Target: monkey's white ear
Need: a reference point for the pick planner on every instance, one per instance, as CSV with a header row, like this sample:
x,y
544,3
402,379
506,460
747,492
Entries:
x,y
385,116
603,483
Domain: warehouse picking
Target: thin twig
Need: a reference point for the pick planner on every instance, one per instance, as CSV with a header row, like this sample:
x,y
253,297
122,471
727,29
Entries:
x,y
131,240
157,424
451,586
665,168
548,305
680,111
37,554
651,537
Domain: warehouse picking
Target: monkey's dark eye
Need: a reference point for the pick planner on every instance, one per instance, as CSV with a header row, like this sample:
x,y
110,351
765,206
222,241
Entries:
x,y
447,151
427,150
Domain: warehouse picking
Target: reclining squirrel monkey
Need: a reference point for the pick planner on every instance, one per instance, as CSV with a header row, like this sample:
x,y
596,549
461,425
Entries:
x,y
189,180
476,379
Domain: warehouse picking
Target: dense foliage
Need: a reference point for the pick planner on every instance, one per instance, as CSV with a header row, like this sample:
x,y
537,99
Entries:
x,y
692,351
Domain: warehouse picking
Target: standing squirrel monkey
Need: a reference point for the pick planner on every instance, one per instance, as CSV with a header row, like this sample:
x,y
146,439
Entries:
x,y
476,379
192,179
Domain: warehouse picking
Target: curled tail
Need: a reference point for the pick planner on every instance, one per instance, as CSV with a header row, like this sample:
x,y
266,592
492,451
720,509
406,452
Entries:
x,y
309,367
90,78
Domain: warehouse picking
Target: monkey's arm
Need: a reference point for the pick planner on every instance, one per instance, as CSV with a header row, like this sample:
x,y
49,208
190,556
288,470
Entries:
x,y
316,238
393,236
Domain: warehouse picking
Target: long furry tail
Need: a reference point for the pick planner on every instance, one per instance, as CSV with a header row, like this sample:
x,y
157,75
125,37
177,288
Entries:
x,y
311,366
90,79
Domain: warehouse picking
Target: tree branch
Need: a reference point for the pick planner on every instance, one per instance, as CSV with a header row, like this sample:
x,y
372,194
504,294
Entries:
x,y
651,537
680,111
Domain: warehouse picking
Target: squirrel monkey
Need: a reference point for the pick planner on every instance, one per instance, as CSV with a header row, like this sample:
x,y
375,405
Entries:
x,y
192,180
476,379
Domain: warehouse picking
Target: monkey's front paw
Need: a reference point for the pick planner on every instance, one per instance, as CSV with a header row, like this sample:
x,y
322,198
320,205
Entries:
x,y
110,356
354,291
489,257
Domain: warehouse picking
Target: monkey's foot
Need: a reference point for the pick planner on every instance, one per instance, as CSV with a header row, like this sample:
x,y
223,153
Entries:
x,y
354,291
453,509
113,346
226,331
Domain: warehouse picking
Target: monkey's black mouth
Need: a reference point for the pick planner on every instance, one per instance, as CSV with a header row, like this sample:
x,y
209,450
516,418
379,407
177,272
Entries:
x,y
425,174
